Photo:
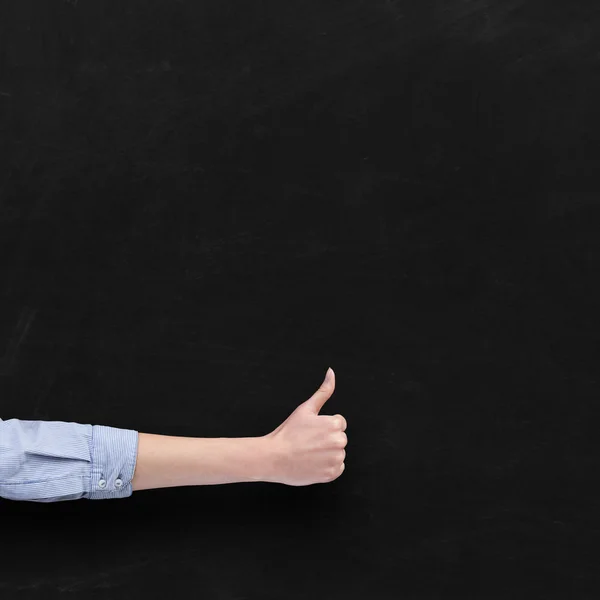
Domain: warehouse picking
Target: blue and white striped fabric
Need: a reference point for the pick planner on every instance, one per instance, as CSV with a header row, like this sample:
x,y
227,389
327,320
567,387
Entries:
x,y
52,461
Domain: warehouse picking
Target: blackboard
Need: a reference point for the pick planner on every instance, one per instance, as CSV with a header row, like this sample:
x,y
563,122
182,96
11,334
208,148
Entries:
x,y
205,204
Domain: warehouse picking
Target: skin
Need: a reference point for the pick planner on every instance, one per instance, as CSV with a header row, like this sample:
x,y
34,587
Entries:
x,y
307,448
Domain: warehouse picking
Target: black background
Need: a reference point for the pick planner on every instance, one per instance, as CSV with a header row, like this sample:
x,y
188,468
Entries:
x,y
204,204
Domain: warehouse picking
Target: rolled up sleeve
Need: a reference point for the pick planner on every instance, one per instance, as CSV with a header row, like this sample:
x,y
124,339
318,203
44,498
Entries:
x,y
53,461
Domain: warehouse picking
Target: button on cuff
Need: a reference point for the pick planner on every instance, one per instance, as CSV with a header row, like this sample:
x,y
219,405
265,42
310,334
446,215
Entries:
x,y
114,457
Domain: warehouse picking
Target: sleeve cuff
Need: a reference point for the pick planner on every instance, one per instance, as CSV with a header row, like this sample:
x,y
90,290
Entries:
x,y
114,457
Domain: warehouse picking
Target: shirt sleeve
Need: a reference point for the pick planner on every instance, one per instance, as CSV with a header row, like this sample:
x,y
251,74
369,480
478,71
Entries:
x,y
53,461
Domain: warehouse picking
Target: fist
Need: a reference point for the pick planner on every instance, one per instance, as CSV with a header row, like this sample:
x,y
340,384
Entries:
x,y
307,447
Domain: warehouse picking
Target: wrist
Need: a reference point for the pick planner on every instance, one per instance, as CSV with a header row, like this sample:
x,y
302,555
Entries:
x,y
265,459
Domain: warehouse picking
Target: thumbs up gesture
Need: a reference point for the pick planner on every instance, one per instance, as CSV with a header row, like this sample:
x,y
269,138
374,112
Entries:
x,y
307,447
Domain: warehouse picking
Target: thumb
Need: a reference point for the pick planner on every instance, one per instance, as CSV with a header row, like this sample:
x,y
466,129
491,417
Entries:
x,y
318,399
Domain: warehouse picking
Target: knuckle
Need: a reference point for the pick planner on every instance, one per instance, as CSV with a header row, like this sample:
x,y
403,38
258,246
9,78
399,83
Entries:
x,y
334,472
340,441
339,422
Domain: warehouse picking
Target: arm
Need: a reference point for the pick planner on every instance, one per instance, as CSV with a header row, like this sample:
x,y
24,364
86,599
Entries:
x,y
307,448
50,461
167,461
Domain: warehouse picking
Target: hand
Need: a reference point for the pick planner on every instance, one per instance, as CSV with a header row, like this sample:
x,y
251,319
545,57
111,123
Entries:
x,y
307,447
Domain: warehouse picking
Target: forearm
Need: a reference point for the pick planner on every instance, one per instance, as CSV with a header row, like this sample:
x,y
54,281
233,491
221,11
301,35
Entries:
x,y
171,461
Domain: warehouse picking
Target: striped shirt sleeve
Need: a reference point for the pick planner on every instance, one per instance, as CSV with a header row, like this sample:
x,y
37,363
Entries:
x,y
53,461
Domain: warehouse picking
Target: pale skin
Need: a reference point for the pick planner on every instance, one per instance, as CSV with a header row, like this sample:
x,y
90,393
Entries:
x,y
307,448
